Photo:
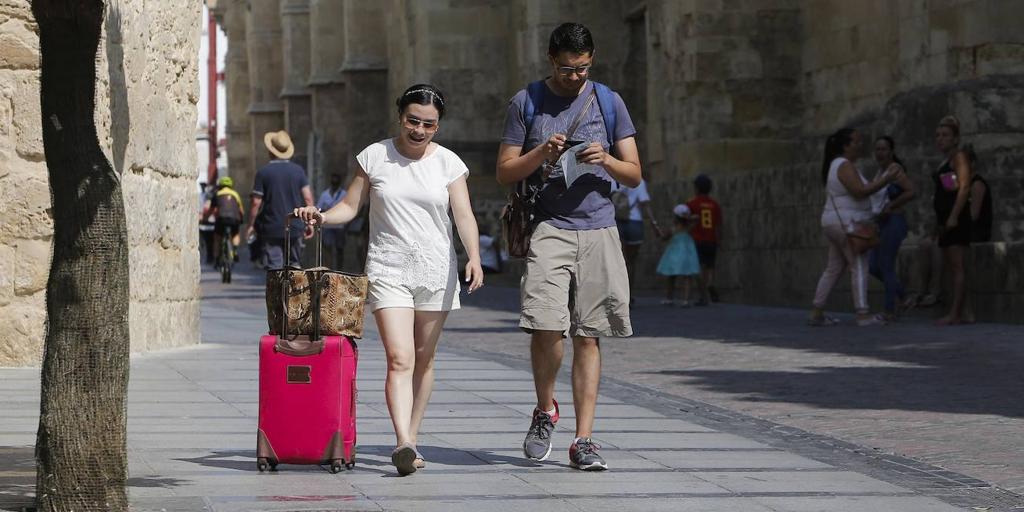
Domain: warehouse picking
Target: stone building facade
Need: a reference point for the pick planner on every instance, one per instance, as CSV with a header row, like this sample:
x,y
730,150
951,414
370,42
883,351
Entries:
x,y
146,117
743,91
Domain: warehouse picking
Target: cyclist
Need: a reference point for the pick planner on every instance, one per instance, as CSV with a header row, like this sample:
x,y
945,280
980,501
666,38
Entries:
x,y
227,210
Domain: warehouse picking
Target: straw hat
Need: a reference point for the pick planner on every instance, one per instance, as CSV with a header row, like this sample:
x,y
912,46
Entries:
x,y
279,144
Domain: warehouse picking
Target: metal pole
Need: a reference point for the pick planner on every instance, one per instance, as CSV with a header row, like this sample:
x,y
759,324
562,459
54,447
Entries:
x,y
211,69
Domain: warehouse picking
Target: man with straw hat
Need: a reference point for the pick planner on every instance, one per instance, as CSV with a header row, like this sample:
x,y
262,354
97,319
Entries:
x,y
280,187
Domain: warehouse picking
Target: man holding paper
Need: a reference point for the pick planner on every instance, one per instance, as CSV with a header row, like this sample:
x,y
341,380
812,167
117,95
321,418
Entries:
x,y
568,138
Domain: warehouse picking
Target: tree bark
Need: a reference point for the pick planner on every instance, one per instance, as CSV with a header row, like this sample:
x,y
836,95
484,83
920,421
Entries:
x,y
81,446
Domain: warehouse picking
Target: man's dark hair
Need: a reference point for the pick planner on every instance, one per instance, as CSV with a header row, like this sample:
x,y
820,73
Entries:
x,y
703,184
570,37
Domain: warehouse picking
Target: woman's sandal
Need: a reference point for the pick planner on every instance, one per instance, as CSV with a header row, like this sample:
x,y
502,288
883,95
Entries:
x,y
822,321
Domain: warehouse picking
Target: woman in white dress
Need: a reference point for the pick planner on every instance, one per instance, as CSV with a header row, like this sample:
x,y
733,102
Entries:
x,y
411,183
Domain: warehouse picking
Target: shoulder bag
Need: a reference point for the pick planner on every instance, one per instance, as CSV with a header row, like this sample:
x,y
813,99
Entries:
x,y
517,215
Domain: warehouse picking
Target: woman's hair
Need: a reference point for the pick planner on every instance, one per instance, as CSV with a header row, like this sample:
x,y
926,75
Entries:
x,y
892,147
953,124
422,94
570,37
834,145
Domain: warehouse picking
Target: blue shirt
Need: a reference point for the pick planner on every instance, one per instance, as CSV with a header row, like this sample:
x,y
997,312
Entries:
x,y
279,184
587,203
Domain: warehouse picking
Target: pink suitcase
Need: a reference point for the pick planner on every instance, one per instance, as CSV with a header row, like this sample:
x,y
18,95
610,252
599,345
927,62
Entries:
x,y
307,402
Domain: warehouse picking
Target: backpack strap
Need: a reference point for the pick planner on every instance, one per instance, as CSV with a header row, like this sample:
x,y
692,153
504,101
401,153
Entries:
x,y
606,102
534,100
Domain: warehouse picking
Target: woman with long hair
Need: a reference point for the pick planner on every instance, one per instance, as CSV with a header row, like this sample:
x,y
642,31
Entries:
x,y
847,201
888,204
953,182
411,183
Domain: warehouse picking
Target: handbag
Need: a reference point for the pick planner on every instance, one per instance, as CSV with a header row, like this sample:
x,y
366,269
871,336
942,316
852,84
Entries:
x,y
517,215
315,301
862,235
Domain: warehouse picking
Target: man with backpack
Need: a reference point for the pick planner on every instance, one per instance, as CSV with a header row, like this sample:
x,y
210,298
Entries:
x,y
575,281
226,209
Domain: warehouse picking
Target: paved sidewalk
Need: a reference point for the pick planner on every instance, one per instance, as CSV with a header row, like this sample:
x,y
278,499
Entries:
x,y
192,421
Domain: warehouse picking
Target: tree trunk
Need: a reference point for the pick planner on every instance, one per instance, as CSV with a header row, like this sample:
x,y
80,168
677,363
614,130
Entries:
x,y
80,445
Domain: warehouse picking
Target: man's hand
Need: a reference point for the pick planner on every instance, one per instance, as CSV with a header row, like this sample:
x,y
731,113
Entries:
x,y
594,154
249,231
309,232
554,147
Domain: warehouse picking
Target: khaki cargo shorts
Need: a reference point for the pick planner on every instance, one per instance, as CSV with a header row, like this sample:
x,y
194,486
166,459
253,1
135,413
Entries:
x,y
575,283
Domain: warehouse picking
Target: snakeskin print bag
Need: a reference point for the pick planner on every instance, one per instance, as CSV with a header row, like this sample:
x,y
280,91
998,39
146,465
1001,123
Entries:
x,y
300,300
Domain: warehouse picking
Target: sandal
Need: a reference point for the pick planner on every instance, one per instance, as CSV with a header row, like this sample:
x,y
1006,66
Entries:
x,y
403,458
822,321
871,321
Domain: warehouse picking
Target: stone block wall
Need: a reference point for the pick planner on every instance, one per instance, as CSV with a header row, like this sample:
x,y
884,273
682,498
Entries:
x,y
145,115
743,91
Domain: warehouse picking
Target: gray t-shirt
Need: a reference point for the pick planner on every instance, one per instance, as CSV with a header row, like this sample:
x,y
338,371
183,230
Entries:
x,y
587,204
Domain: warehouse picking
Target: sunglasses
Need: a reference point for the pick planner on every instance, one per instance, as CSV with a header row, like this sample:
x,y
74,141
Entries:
x,y
412,122
568,70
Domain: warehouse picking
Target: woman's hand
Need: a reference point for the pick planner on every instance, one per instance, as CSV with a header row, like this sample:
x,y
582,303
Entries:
x,y
309,214
474,275
951,223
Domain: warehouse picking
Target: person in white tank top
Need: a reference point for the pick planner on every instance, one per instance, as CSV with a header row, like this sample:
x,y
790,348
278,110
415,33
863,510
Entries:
x,y
847,200
411,184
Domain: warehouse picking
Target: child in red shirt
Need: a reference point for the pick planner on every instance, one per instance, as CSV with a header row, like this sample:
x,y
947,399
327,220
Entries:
x,y
706,232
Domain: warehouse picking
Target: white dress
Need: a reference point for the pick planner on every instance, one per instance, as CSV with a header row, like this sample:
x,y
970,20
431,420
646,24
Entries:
x,y
410,248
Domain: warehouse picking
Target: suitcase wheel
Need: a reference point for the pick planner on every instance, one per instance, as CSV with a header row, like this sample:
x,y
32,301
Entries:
x,y
264,464
336,465
350,465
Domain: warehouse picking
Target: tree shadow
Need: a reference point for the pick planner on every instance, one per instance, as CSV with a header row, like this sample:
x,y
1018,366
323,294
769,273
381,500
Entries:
x,y
225,459
18,479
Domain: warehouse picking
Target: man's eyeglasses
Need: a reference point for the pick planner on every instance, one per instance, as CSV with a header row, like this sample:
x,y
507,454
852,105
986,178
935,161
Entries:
x,y
568,70
412,123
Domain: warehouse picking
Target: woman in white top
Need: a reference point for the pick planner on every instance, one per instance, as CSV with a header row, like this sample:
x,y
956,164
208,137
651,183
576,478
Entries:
x,y
411,183
847,200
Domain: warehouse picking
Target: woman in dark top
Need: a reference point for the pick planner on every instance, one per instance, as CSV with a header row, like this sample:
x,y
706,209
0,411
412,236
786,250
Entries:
x,y
952,183
888,205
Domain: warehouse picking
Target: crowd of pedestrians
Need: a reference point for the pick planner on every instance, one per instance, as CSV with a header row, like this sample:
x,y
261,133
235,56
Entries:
x,y
864,223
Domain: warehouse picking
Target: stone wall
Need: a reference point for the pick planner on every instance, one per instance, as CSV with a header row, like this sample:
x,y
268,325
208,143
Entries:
x,y
743,91
146,117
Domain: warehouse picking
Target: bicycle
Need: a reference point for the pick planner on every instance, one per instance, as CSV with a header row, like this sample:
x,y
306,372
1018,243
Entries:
x,y
227,254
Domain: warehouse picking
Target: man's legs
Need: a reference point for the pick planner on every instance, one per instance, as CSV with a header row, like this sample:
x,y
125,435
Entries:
x,y
546,351
586,378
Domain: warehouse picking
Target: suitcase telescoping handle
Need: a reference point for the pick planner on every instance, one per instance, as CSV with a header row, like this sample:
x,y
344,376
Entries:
x,y
295,346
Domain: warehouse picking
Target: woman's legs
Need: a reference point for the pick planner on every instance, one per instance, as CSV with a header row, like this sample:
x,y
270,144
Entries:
x,y
954,259
670,289
893,232
836,265
686,289
428,325
396,326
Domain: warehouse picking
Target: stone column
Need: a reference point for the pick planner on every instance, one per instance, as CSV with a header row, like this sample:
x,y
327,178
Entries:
x,y
238,129
364,71
330,153
295,93
266,75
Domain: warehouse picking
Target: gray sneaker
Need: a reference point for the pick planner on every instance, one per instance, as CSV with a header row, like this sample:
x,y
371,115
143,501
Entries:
x,y
583,455
537,445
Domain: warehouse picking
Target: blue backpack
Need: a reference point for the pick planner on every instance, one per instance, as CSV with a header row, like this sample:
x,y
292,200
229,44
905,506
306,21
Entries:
x,y
605,101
